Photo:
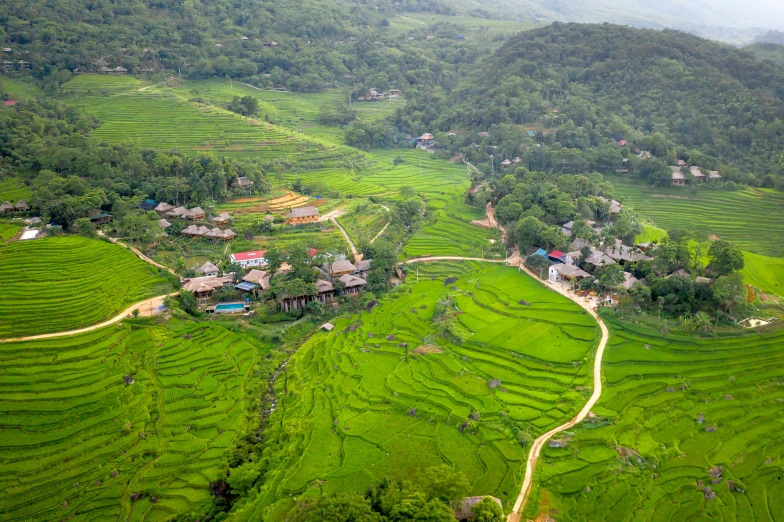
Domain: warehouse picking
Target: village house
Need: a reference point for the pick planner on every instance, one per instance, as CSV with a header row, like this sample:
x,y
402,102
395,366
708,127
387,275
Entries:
x,y
678,179
644,155
6,207
326,291
395,93
560,272
243,182
425,141
363,267
208,270
163,208
556,256
21,206
194,214
222,219
342,267
506,164
216,234
164,224
176,212
8,64
621,253
697,173
203,287
352,284
303,215
98,218
251,258
713,175
258,277
628,281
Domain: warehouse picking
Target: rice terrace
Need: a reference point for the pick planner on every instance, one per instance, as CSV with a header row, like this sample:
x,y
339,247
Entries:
x,y
345,262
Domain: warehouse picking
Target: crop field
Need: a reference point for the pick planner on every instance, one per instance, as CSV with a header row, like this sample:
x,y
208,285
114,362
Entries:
x,y
764,273
744,217
64,283
481,29
381,395
363,225
101,85
13,189
20,89
80,443
679,415
7,230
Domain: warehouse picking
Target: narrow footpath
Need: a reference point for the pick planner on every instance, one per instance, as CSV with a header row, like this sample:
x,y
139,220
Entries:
x,y
345,235
389,221
146,308
538,444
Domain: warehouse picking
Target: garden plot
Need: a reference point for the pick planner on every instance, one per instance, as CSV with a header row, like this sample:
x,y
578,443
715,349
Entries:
x,y
80,442
63,283
362,402
678,416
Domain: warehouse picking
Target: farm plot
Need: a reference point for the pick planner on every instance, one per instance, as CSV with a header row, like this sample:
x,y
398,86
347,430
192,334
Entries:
x,y
80,442
744,217
383,395
363,222
64,283
687,429
13,189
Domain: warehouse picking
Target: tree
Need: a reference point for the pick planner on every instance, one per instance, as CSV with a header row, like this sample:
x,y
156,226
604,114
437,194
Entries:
x,y
725,258
729,291
416,508
274,259
242,477
247,105
445,483
84,226
347,507
487,511
528,233
188,302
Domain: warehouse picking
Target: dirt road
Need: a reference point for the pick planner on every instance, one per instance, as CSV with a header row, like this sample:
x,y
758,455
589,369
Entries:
x,y
385,226
536,447
146,308
138,253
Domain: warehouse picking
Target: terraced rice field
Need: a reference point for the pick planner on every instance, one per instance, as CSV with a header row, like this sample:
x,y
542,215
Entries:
x,y
764,273
79,443
101,85
363,226
20,89
451,234
747,218
7,231
63,283
13,189
359,405
651,451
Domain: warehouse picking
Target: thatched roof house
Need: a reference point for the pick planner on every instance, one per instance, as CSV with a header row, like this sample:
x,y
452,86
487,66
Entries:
x,y
164,224
21,205
208,269
6,207
259,277
463,512
163,208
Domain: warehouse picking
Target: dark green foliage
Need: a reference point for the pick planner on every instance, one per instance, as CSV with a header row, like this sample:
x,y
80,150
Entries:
x,y
725,258
487,511
247,105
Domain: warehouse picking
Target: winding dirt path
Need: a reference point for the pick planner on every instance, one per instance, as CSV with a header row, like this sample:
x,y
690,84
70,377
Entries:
x,y
538,444
145,308
348,239
389,221
138,253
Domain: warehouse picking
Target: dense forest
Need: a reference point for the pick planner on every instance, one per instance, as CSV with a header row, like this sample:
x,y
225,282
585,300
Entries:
x,y
565,95
78,174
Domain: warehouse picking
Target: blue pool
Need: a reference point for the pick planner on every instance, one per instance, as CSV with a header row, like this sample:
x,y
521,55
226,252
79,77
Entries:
x,y
229,307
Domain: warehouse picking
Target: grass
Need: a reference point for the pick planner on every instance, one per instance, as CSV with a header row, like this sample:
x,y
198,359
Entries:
x,y
20,89
12,189
764,273
744,217
358,406
159,118
63,283
476,30
363,222
647,455
7,230
78,442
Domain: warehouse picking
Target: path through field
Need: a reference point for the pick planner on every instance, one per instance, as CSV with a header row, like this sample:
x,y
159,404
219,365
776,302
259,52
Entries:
x,y
138,253
536,447
348,239
389,220
146,308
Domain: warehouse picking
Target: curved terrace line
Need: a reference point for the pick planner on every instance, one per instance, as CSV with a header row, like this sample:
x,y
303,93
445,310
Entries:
x,y
143,306
536,447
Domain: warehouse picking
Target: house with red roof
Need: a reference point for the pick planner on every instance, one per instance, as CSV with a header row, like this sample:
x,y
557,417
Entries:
x,y
560,257
9,103
252,258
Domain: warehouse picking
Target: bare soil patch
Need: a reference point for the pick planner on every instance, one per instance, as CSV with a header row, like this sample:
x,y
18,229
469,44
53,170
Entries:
x,y
427,348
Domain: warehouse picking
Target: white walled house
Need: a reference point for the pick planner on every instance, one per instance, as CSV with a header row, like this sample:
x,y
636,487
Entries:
x,y
252,258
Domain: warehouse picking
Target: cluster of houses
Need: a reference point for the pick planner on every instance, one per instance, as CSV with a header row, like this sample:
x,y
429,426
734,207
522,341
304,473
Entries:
x,y
165,210
376,95
565,264
19,206
119,71
511,163
21,64
336,275
679,178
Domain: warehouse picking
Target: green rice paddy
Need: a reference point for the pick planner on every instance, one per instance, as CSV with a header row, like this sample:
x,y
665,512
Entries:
x,y
363,225
361,403
652,449
13,189
764,273
747,217
63,283
79,443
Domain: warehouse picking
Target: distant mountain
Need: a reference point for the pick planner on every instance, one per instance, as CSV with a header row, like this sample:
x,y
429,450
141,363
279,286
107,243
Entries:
x,y
767,51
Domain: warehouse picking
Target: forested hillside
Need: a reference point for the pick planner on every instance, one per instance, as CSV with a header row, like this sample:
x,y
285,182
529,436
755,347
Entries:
x,y
582,88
